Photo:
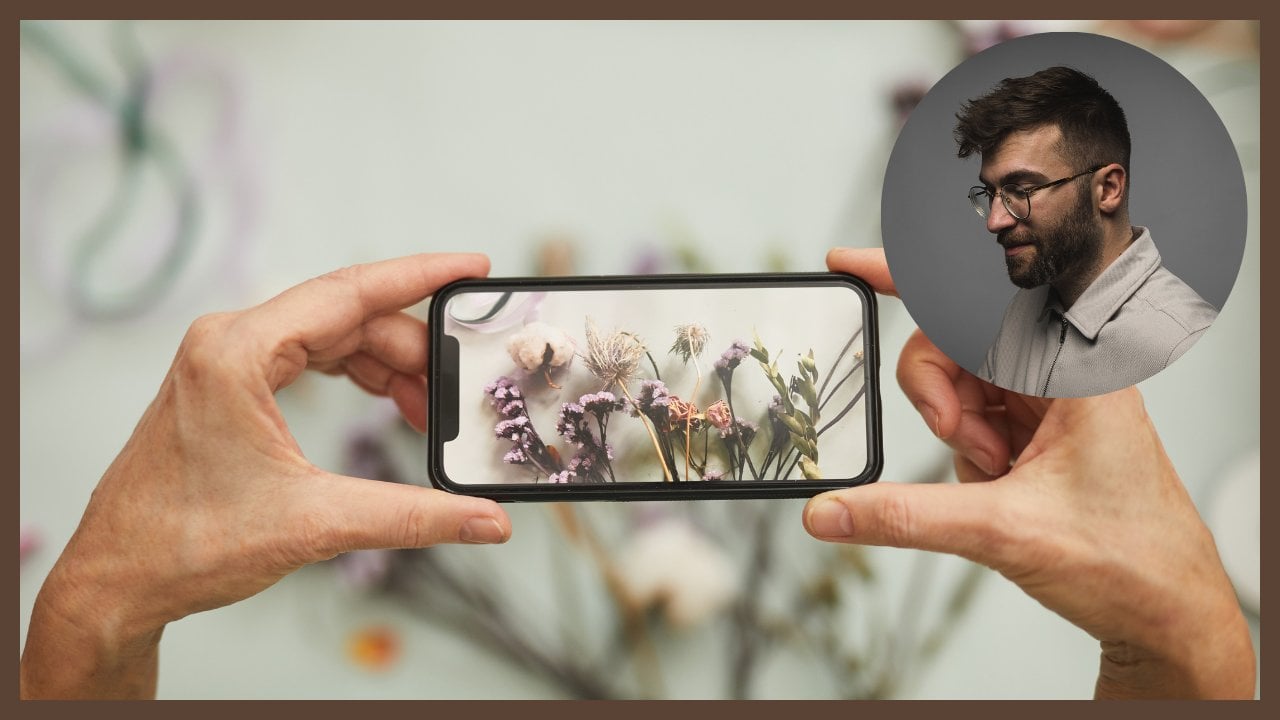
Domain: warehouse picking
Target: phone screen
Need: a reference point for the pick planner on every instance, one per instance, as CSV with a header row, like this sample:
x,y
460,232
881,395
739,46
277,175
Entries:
x,y
593,383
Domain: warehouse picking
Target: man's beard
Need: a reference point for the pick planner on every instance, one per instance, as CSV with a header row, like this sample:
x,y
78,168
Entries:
x,y
1074,246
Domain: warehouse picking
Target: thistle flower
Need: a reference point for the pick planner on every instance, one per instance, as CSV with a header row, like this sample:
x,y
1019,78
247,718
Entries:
x,y
718,414
541,348
614,358
691,340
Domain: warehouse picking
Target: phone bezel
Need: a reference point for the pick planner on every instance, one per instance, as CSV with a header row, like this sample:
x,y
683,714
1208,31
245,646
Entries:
x,y
437,388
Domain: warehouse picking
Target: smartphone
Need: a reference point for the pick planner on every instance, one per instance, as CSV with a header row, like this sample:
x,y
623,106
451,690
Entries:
x,y
654,387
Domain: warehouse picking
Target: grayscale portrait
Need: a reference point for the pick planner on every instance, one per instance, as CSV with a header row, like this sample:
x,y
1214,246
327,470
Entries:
x,y
1064,215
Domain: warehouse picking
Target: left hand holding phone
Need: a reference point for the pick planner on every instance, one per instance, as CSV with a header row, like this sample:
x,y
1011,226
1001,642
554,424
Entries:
x,y
211,500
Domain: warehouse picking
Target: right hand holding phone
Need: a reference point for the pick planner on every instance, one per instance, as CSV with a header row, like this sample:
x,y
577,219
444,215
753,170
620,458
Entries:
x,y
1090,519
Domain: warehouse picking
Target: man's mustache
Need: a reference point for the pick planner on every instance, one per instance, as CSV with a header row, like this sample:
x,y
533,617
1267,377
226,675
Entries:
x,y
1007,239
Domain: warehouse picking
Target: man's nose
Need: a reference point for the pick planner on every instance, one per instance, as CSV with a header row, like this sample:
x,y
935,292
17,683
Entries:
x,y
999,217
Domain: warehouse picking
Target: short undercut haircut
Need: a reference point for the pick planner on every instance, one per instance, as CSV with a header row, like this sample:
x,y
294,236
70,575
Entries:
x,y
1093,126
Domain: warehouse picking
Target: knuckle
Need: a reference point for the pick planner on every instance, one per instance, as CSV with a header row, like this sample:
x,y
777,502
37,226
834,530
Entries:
x,y
204,348
317,536
415,527
897,521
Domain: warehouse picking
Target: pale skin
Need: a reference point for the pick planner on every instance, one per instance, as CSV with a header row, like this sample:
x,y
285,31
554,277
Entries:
x,y
1032,157
1074,500
211,500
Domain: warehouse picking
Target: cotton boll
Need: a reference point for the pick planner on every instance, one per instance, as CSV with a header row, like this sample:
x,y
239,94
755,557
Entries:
x,y
540,347
670,563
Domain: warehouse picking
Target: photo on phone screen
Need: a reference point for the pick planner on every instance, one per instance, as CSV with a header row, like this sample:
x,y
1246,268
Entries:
x,y
573,383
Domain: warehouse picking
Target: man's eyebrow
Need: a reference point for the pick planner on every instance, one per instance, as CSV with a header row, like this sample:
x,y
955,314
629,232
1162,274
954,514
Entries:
x,y
1014,177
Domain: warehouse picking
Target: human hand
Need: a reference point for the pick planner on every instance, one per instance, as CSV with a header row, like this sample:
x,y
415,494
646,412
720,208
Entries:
x,y
1090,519
211,500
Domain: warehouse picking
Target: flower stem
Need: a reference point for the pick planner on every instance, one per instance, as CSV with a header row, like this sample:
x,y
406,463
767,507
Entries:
x,y
688,420
652,436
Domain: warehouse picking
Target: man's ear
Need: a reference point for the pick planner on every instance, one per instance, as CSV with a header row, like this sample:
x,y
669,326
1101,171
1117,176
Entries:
x,y
1113,190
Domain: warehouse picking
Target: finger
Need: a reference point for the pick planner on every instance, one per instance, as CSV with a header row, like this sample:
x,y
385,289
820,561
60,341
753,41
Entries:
x,y
399,340
952,402
967,472
376,377
324,311
342,514
963,520
866,263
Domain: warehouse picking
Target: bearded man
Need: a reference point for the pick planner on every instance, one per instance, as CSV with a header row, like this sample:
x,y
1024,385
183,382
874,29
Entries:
x,y
1097,310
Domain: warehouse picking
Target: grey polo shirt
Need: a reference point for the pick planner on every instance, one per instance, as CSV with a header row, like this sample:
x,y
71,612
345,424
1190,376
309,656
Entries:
x,y
1134,320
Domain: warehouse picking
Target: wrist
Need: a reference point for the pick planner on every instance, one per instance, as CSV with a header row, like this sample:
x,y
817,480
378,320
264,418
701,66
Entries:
x,y
1209,657
86,642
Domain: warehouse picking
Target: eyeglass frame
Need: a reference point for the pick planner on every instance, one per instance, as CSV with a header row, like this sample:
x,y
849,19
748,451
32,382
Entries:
x,y
977,190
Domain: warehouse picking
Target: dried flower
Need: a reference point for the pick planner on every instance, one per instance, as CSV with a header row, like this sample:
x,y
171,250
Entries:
x,y
713,475
679,411
614,358
541,348
591,462
691,340
560,477
515,426
744,429
731,358
673,565
718,414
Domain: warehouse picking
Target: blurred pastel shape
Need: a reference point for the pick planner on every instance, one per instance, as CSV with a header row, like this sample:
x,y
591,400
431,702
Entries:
x,y
671,564
376,647
491,312
29,541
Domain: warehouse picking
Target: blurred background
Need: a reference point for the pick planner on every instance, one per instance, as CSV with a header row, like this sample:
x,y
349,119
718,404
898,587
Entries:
x,y
170,169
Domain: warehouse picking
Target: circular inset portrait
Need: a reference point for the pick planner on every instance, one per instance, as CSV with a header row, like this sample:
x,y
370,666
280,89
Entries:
x,y
1064,215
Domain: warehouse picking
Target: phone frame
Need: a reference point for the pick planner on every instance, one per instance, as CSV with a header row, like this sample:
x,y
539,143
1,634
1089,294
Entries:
x,y
443,392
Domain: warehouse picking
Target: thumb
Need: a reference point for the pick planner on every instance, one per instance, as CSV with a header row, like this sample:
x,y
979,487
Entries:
x,y
360,514
963,520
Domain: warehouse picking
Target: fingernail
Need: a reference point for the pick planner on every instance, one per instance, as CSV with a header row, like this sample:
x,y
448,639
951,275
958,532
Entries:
x,y
830,519
983,460
482,530
930,417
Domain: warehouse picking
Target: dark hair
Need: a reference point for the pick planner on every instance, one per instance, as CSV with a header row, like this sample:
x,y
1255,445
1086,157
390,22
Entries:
x,y
1094,131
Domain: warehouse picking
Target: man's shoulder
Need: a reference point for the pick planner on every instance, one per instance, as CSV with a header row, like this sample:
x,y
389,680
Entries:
x,y
1170,300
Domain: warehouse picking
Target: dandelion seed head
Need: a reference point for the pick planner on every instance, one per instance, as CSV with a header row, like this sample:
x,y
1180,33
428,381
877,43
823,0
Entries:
x,y
691,340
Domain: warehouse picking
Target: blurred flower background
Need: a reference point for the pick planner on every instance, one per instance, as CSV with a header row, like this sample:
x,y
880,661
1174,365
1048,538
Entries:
x,y
170,169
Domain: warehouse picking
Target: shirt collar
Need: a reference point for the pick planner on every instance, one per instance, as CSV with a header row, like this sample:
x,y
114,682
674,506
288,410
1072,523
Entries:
x,y
1111,289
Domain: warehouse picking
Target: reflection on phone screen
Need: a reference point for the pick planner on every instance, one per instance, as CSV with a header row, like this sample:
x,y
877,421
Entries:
x,y
658,385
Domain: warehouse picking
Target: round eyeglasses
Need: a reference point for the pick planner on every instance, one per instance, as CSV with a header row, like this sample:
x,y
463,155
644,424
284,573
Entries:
x,y
1016,198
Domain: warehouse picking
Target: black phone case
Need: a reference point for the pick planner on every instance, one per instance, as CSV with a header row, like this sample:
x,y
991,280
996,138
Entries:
x,y
443,394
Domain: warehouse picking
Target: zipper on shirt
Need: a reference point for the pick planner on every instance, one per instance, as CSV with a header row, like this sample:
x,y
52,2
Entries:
x,y
1044,392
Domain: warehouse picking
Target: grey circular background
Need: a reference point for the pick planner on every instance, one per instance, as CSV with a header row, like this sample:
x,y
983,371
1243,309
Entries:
x,y
1186,185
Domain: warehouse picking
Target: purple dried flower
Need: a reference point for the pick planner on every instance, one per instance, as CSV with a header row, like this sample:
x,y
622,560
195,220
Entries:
x,y
652,398
527,447
744,429
574,424
560,477
731,358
